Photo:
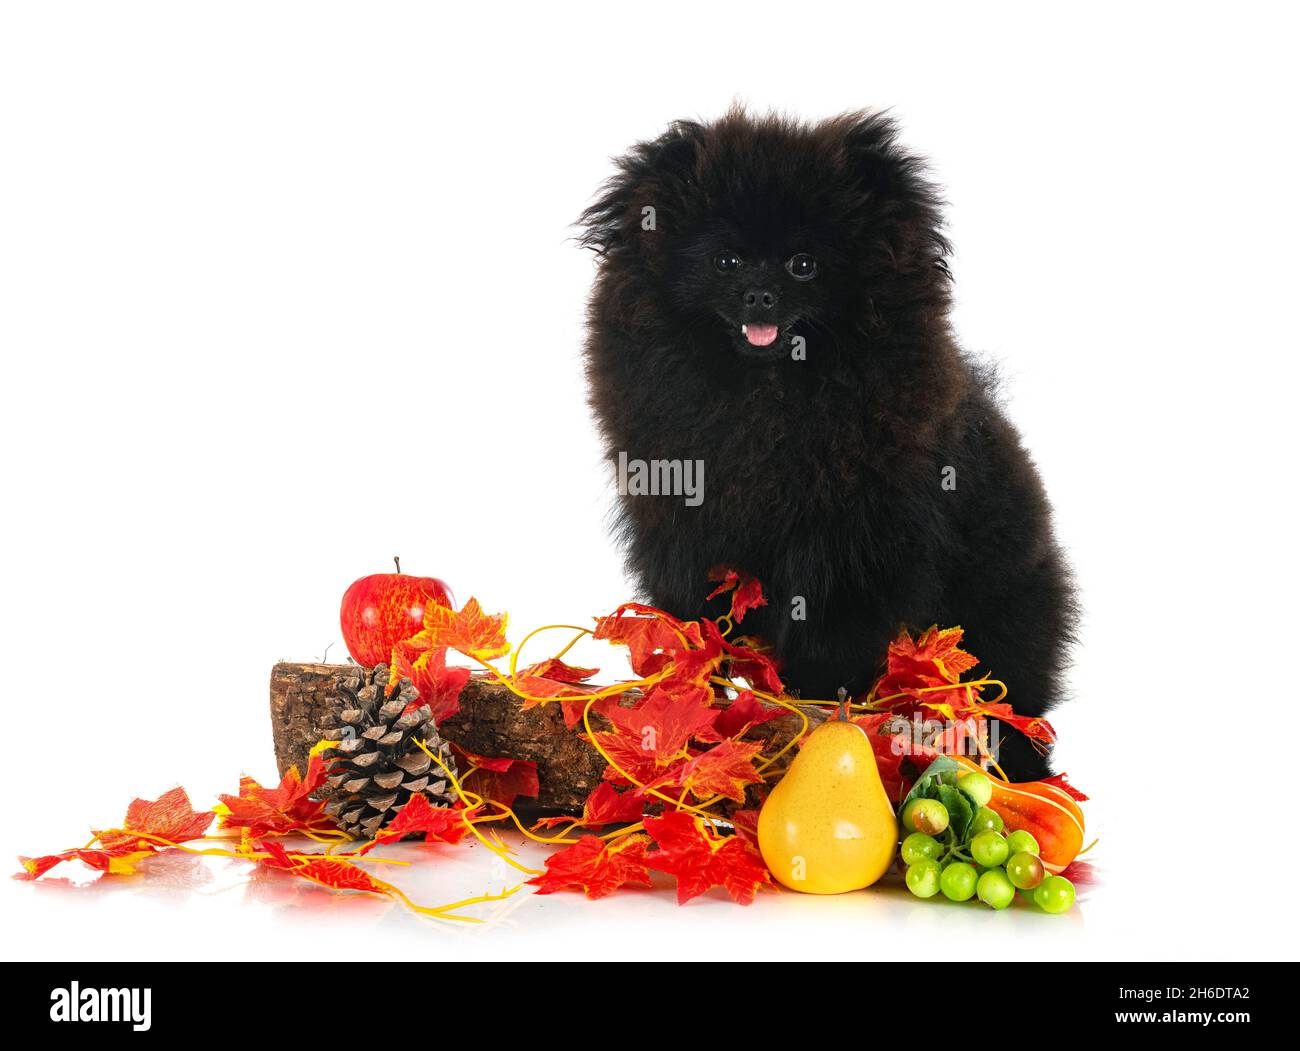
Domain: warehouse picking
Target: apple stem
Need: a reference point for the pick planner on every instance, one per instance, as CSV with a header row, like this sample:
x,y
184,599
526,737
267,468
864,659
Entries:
x,y
398,563
843,714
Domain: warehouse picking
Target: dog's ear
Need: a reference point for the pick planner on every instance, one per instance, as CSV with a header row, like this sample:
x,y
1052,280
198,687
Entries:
x,y
895,186
648,174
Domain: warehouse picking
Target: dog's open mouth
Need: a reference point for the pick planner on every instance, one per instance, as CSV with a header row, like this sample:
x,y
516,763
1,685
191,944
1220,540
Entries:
x,y
759,335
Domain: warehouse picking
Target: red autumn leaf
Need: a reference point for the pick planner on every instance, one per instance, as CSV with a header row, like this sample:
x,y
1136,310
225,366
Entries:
x,y
438,685
441,824
170,817
629,760
935,648
276,811
747,592
1059,781
595,866
749,595
469,630
1081,873
119,859
757,669
1036,729
572,696
701,860
499,780
890,750
694,667
652,637
724,770
689,629
747,659
665,720
554,668
553,678
332,872
605,806
745,823
742,713
35,868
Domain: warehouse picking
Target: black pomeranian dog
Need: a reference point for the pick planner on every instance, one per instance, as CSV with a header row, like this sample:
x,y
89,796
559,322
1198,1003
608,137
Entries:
x,y
769,337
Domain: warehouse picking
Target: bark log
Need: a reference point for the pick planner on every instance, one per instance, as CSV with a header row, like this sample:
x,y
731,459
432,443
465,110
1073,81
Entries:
x,y
305,699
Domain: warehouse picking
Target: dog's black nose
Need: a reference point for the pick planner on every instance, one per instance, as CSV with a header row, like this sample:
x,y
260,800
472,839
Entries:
x,y
760,297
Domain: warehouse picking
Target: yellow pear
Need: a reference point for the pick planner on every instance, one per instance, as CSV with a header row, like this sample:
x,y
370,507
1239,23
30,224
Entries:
x,y
827,826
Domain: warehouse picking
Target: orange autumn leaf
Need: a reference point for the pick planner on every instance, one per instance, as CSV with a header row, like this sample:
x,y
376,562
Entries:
x,y
170,817
935,658
596,867
468,629
276,811
701,860
725,770
665,720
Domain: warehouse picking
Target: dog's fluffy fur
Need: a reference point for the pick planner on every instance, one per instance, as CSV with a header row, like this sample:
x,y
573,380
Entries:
x,y
822,475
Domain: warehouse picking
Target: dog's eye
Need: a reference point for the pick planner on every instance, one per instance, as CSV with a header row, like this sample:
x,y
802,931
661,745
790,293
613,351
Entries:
x,y
802,267
726,261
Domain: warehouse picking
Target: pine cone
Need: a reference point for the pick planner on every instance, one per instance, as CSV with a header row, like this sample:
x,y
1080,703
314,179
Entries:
x,y
377,767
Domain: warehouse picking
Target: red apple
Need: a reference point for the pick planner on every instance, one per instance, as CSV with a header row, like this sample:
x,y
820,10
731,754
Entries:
x,y
383,609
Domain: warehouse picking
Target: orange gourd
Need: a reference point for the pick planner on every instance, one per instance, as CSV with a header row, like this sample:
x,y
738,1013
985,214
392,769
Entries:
x,y
1046,812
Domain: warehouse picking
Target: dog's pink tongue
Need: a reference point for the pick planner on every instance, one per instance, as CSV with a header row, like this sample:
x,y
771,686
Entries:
x,y
760,335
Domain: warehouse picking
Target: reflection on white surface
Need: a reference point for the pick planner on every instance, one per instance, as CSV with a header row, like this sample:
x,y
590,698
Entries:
x,y
187,907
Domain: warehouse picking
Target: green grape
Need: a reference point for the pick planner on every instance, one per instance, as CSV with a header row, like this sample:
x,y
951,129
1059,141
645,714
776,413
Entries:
x,y
918,846
957,881
995,890
1022,842
978,787
923,878
1024,870
989,849
1055,895
905,816
930,816
986,820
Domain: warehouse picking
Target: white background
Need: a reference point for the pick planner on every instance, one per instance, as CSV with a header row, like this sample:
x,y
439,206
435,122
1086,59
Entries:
x,y
287,289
